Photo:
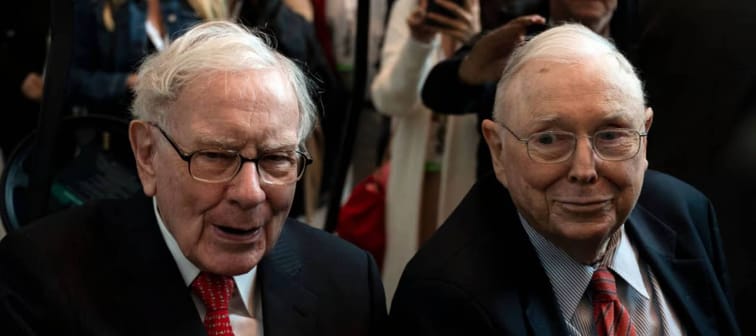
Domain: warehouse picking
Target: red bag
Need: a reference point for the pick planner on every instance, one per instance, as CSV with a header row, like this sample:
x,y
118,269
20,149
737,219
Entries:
x,y
362,219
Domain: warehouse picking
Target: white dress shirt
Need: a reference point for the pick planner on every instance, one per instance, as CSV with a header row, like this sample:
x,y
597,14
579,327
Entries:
x,y
245,305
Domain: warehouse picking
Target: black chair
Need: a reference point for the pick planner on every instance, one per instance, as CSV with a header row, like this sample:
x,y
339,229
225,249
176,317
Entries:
x,y
92,160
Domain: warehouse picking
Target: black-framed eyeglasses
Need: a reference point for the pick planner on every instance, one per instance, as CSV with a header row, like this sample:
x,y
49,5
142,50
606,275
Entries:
x,y
217,166
615,144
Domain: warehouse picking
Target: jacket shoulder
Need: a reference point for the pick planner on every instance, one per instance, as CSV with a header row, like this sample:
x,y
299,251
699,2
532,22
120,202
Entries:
x,y
668,198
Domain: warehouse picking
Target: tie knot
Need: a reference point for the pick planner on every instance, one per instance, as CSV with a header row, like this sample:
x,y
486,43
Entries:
x,y
214,290
603,285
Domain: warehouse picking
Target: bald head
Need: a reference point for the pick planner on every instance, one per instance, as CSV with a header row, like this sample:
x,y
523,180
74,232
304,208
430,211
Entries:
x,y
564,46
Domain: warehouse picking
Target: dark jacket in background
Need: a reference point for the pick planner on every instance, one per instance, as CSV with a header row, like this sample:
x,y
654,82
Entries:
x,y
698,61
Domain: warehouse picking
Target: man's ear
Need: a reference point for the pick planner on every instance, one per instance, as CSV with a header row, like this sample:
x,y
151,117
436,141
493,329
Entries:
x,y
649,115
495,147
649,118
143,146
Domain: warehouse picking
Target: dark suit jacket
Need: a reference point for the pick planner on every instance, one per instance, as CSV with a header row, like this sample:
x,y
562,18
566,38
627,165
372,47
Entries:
x,y
480,275
104,269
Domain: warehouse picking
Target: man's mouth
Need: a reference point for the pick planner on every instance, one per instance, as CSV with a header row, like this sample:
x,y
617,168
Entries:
x,y
584,205
239,235
238,232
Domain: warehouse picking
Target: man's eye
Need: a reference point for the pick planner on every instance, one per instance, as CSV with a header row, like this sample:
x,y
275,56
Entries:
x,y
545,138
608,135
613,135
279,160
215,156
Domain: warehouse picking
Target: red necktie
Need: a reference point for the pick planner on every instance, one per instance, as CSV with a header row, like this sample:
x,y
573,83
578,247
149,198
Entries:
x,y
609,314
215,291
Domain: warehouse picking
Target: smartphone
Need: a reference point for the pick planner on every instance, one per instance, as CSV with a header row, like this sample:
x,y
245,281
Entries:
x,y
433,7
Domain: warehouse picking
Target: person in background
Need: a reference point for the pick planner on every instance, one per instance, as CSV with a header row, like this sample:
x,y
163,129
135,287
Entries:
x,y
573,235
429,172
111,37
220,119
23,48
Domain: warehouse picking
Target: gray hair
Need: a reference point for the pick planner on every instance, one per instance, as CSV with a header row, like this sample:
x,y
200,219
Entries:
x,y
214,46
569,43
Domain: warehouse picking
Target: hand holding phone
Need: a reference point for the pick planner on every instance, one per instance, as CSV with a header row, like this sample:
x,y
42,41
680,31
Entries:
x,y
458,19
488,56
437,8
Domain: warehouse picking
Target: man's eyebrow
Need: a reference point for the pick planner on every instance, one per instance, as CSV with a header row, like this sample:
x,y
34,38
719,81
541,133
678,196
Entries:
x,y
269,148
546,119
618,115
207,141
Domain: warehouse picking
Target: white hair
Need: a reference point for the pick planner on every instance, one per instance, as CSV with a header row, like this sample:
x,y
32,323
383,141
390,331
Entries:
x,y
214,46
569,43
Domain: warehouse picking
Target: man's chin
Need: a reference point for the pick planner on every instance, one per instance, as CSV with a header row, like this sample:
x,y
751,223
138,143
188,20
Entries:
x,y
232,264
587,231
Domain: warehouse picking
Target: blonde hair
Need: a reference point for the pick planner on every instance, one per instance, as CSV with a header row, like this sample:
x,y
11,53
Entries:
x,y
206,9
210,9
107,13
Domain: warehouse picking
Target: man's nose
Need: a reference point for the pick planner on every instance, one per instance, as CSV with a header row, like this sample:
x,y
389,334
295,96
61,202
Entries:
x,y
583,163
246,187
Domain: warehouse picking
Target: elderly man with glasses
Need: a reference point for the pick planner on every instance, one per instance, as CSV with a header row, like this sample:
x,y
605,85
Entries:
x,y
572,235
220,119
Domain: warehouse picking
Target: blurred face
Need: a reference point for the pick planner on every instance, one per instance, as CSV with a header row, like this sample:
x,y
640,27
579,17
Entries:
x,y
595,14
228,227
579,203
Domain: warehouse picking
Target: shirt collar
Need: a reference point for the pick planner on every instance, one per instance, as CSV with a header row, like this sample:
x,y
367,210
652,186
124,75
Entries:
x,y
244,282
570,279
625,264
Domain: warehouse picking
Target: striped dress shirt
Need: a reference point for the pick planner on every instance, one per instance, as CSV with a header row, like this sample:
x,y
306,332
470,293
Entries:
x,y
637,286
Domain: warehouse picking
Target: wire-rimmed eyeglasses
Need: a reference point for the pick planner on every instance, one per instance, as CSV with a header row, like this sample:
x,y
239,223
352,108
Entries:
x,y
615,144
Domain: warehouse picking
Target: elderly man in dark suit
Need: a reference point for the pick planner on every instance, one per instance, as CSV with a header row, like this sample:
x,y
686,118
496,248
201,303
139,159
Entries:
x,y
572,236
220,119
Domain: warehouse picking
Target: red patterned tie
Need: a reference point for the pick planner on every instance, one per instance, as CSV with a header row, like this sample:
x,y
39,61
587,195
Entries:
x,y
215,291
609,314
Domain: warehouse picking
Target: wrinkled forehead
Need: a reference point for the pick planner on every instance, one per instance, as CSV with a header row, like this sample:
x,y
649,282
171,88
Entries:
x,y
251,97
246,84
569,83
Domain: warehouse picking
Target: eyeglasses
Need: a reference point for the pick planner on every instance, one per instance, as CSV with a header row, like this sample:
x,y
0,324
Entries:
x,y
617,144
217,166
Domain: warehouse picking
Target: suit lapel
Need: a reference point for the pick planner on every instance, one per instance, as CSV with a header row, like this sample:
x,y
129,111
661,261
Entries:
x,y
541,314
683,275
539,301
151,279
533,287
288,307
